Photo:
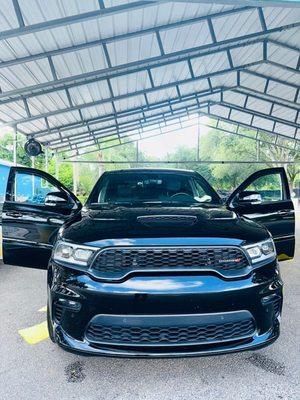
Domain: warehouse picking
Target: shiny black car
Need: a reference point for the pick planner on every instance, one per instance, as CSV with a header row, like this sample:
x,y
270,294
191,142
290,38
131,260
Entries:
x,y
155,263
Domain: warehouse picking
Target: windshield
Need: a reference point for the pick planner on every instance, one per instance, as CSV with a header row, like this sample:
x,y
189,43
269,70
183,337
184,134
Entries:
x,y
133,188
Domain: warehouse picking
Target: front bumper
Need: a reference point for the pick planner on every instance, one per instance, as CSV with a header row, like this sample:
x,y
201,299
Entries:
x,y
85,348
76,300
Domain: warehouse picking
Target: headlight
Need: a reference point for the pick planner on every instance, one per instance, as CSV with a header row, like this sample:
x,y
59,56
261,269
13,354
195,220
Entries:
x,y
261,251
73,253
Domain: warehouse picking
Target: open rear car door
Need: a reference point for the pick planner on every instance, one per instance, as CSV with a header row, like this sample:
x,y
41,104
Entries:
x,y
35,207
265,198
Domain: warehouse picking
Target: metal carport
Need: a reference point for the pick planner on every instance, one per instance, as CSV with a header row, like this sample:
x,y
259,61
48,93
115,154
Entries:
x,y
79,76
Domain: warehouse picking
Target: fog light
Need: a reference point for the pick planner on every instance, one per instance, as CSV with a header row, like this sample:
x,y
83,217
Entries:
x,y
70,304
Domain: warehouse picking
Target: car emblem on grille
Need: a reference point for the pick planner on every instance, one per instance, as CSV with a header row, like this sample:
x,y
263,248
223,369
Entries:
x,y
229,260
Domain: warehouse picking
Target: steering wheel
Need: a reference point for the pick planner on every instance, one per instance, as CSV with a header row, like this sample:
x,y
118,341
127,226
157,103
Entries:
x,y
184,197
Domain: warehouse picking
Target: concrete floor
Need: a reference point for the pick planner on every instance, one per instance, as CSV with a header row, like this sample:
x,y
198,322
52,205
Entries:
x,y
44,371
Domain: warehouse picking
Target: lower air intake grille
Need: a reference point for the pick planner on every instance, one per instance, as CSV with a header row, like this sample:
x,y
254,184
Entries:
x,y
58,310
277,303
172,335
117,262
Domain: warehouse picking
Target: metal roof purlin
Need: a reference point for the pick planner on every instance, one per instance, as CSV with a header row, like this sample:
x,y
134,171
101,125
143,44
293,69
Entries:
x,y
159,60
73,19
145,91
218,119
231,107
118,37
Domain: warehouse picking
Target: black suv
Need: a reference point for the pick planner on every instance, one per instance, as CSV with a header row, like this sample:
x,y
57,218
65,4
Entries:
x,y
156,263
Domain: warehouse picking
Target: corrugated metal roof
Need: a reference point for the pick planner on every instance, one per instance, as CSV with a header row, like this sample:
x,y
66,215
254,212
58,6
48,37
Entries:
x,y
76,73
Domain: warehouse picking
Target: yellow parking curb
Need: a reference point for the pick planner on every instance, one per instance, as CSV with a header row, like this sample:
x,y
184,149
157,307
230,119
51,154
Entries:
x,y
35,334
43,309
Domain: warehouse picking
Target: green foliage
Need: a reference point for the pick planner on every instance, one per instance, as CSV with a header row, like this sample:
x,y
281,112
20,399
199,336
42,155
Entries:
x,y
121,153
217,146
6,153
6,149
188,155
65,174
88,173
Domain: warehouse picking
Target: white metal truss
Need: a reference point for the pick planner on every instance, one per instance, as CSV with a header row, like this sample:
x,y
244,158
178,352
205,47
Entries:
x,y
99,73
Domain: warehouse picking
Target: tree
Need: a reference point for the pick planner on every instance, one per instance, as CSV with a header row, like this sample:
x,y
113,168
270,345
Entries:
x,y
6,149
6,153
88,173
218,146
188,157
292,156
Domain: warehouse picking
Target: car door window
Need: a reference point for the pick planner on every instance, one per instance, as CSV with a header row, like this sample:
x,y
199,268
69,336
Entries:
x,y
31,189
269,188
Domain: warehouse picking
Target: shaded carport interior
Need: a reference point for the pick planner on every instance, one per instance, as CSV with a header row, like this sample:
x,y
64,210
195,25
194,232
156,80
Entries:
x,y
80,76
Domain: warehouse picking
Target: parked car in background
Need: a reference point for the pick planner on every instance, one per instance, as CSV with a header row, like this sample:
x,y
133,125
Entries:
x,y
155,263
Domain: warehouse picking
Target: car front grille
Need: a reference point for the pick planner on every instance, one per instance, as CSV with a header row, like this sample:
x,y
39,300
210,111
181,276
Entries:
x,y
119,261
171,335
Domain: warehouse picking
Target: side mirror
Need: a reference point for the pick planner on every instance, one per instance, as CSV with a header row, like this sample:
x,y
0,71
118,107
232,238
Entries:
x,y
57,199
248,198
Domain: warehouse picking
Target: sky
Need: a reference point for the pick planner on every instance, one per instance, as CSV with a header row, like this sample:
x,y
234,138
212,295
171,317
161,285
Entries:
x,y
158,147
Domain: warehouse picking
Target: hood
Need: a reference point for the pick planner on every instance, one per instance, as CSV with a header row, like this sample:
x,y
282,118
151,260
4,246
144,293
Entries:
x,y
95,225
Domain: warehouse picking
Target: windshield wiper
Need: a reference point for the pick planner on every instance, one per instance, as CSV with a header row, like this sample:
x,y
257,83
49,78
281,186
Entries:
x,y
129,203
134,203
158,203
155,203
165,203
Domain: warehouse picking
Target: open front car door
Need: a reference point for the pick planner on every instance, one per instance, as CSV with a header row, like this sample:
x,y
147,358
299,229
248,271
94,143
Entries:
x,y
265,198
35,207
